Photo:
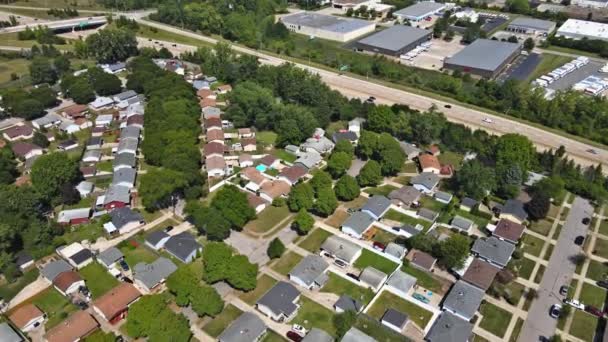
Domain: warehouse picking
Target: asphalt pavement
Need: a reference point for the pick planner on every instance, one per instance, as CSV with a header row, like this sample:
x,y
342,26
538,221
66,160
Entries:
x,y
559,272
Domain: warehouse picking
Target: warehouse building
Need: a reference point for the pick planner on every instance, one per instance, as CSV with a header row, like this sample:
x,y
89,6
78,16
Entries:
x,y
579,29
394,41
531,26
419,11
327,26
484,57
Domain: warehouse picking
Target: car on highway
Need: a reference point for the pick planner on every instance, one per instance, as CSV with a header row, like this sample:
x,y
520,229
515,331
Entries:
x,y
487,120
555,310
592,151
579,240
447,106
340,263
603,283
575,304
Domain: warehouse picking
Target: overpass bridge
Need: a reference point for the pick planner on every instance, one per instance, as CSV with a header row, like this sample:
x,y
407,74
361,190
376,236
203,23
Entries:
x,y
61,26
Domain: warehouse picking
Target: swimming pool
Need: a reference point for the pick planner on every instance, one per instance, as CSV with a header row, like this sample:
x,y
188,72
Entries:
x,y
261,168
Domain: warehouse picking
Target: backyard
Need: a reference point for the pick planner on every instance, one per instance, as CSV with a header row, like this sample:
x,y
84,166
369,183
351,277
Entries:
x,y
383,190
312,314
314,240
222,321
136,254
98,279
267,219
338,285
54,305
583,325
388,300
494,319
424,279
597,270
264,284
380,263
286,263
394,215
532,245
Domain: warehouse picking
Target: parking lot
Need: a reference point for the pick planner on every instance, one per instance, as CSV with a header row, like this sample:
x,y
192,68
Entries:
x,y
437,53
521,68
591,69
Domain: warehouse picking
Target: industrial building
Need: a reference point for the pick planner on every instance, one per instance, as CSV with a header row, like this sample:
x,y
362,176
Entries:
x,y
579,29
419,11
590,3
531,26
394,41
484,57
327,26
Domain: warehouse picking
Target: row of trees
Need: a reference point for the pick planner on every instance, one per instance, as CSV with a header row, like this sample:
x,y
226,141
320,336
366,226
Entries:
x,y
82,88
28,104
222,264
109,45
41,34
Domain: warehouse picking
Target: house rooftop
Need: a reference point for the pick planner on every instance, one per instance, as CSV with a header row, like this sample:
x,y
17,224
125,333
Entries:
x,y
464,299
480,274
115,301
450,328
345,302
293,173
22,315
359,222
401,281
156,236
248,327
461,223
153,274
281,298
468,202
74,328
122,216
406,194
516,208
54,268
509,230
110,255
427,179
64,280
372,277
317,335
396,250
395,318
377,205
340,247
182,245
493,249
429,161
356,335
421,259
311,269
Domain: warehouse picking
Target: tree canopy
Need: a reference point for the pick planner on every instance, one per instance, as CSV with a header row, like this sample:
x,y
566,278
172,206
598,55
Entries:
x,y
220,263
112,45
52,171
151,317
347,188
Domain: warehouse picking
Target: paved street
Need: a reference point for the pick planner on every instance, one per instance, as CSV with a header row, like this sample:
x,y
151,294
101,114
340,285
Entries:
x,y
559,272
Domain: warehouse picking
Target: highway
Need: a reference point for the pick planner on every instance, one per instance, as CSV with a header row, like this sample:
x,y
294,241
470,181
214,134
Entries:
x,y
57,24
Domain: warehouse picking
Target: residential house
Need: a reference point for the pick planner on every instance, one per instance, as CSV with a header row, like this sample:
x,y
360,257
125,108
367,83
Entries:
x,y
421,260
394,319
24,150
51,270
376,206
123,220
427,214
355,335
124,96
23,260
113,68
74,216
463,300
280,302
75,111
357,224
113,305
156,240
136,120
450,328
317,335
68,282
292,174
47,121
309,160
467,204
270,161
205,93
150,276
8,334
274,189
410,150
101,102
19,132
183,246
443,197
213,123
319,144
93,156
67,145
116,196
79,257
513,210
400,283
127,145
200,84
429,163
214,149
245,133
346,303
211,112
124,161
293,149
509,231
124,177
396,250
372,278
480,274
216,166
255,178
425,182
406,196
207,102
215,135
223,89
88,171
94,143
341,249
461,223
85,188
310,272
27,317
249,144
75,328
349,136
98,131
248,327
110,257
493,250
256,202
245,160
433,150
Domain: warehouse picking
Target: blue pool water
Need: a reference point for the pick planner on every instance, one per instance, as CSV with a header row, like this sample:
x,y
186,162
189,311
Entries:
x,y
261,168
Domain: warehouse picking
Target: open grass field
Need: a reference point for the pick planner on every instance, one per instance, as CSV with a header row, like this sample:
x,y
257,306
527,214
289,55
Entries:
x,y
524,267
312,314
583,325
431,204
267,219
98,279
494,319
264,284
380,263
91,232
424,279
286,263
383,190
388,300
592,295
604,228
338,285
314,240
18,67
597,270
222,321
54,305
149,32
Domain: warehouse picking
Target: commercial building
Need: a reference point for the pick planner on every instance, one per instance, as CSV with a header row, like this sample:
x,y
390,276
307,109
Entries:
x,y
394,41
531,26
590,3
327,26
484,57
419,11
579,29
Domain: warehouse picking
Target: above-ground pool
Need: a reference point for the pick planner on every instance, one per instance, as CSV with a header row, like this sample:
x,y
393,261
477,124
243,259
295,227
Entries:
x,y
261,168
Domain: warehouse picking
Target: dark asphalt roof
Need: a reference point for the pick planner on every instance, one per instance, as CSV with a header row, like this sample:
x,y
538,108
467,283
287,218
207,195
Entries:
x,y
182,245
280,299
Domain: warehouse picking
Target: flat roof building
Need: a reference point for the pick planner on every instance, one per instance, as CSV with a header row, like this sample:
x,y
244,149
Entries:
x,y
394,41
419,11
531,26
579,29
484,57
327,26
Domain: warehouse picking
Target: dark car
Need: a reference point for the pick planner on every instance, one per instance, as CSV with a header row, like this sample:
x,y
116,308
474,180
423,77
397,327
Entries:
x,y
127,280
293,336
594,311
448,106
563,290
340,263
168,229
579,240
352,275
82,305
586,221
603,283
119,339
123,264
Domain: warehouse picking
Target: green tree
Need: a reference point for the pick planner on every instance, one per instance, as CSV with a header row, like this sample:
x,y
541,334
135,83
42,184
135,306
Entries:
x,y
320,180
276,248
205,301
62,64
529,44
381,119
475,180
209,221
370,174
389,155
158,187
29,109
518,6
303,222
111,45
345,146
551,187
216,257
40,140
453,252
151,318
338,163
367,144
81,91
8,166
514,150
344,321
51,171
234,206
539,206
301,197
326,202
104,84
242,274
347,188
41,71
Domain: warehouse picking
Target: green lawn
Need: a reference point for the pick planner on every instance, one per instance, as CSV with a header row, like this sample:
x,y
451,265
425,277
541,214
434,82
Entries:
x,y
495,319
10,290
557,231
390,301
267,219
375,329
424,279
548,252
312,314
54,305
542,227
516,289
91,232
583,325
525,267
286,263
284,155
314,240
135,255
592,295
394,215
98,279
547,64
272,336
539,274
380,263
100,336
532,244
597,270
452,158
338,285
405,180
604,228
383,190
264,284
383,236
266,137
105,165
222,321
601,248
516,330
409,167
431,204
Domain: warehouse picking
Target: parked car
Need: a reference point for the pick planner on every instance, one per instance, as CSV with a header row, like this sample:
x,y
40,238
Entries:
x,y
555,311
563,290
127,280
352,275
592,151
168,229
379,246
579,240
292,336
340,263
594,311
603,283
421,298
586,221
327,255
447,106
575,303
298,329
123,264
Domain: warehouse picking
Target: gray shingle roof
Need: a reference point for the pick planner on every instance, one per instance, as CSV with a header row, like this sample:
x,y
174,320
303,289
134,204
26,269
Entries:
x,y
345,302
377,205
248,327
450,328
346,135
468,202
309,159
280,299
54,268
325,22
310,269
124,159
182,245
356,335
130,132
127,144
152,274
125,175
420,9
125,95
341,248
395,250
494,250
372,277
427,214
516,208
464,299
395,38
359,222
409,149
117,193
122,216
408,228
395,318
406,194
401,281
444,196
484,54
427,179
536,24
317,335
156,236
7,334
94,154
110,255
461,223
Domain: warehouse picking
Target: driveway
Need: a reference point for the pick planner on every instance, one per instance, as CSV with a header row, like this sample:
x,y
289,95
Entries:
x,y
559,272
355,167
